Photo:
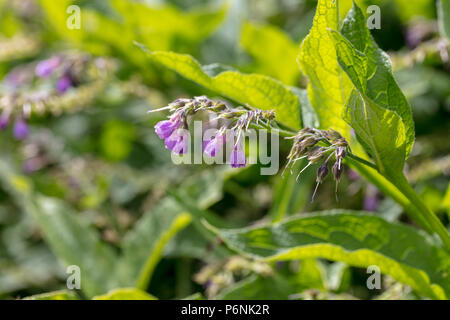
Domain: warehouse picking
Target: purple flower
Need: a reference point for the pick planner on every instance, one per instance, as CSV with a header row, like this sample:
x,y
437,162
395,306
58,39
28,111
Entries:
x,y
21,129
237,158
177,142
371,201
214,145
46,67
63,84
4,121
166,127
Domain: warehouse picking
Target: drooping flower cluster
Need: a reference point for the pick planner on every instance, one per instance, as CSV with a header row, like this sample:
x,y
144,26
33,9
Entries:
x,y
235,122
324,147
319,146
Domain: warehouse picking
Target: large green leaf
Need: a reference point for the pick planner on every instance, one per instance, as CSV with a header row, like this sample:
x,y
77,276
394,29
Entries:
x,y
161,27
369,68
354,238
256,90
444,17
380,131
273,52
328,87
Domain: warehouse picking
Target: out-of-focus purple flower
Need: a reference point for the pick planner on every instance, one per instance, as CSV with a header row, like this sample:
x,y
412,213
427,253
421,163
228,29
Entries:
x,y
34,164
4,121
166,127
18,77
46,67
370,203
353,175
215,144
237,157
21,129
371,200
63,84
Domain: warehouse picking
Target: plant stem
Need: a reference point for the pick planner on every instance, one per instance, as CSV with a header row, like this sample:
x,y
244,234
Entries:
x,y
387,188
426,212
363,161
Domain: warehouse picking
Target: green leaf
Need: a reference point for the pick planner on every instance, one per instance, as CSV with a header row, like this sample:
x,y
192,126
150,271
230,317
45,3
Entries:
x,y
443,7
72,240
158,231
354,238
328,86
161,27
380,131
370,70
256,90
311,275
142,247
125,294
55,295
195,296
273,52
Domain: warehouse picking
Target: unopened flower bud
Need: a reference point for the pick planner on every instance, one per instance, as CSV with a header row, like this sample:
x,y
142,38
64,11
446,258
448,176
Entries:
x,y
322,172
337,171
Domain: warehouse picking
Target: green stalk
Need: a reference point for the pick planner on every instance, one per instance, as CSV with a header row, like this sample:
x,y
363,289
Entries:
x,y
431,218
387,188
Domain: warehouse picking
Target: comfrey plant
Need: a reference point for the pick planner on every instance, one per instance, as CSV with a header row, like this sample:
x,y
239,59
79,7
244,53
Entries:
x,y
352,112
317,146
234,122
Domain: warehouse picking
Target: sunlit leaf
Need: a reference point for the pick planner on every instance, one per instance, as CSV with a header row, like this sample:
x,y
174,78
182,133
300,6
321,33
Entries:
x,y
254,89
160,27
273,52
369,68
328,86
